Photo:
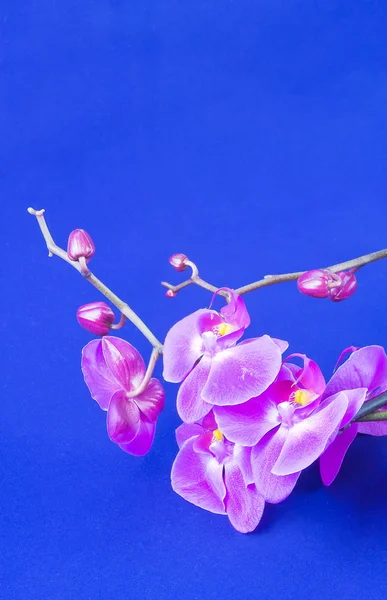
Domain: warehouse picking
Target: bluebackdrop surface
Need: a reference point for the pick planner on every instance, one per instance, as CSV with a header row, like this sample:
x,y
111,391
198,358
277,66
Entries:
x,y
251,136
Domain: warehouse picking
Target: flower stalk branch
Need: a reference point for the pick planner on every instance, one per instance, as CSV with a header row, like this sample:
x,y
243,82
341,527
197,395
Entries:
x,y
361,261
123,307
196,279
267,280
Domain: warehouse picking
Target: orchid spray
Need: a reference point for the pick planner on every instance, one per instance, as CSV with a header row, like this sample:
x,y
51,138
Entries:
x,y
252,420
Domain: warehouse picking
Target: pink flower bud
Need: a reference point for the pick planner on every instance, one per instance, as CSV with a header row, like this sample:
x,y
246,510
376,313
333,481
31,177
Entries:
x,y
347,287
170,294
178,261
80,244
96,317
315,283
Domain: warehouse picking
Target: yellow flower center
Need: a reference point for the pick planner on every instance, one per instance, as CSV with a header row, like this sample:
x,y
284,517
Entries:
x,y
218,435
302,397
224,328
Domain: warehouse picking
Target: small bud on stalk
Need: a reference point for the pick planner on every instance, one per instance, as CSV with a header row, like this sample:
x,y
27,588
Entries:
x,y
80,245
347,287
96,317
178,262
315,283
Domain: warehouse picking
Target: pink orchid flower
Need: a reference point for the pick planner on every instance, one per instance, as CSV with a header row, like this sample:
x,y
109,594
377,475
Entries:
x,y
215,474
366,368
201,351
289,425
112,368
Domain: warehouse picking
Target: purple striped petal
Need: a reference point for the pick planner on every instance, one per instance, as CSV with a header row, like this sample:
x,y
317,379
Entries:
x,y
247,423
307,439
243,372
376,428
143,441
124,362
182,347
244,504
332,459
264,455
123,419
235,312
309,376
365,368
109,365
151,402
190,405
185,431
198,478
356,400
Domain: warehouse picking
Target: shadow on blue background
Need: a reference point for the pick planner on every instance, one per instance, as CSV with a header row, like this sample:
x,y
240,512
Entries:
x,y
251,136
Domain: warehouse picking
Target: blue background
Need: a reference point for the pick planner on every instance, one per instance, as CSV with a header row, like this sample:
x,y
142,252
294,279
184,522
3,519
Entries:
x,y
252,137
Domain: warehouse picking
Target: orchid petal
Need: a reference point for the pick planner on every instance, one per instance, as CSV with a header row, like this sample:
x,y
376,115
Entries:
x,y
264,455
307,439
244,504
235,312
348,350
356,399
182,347
310,376
243,372
98,377
123,419
247,423
124,362
151,401
198,478
190,405
332,459
202,443
185,431
242,457
365,368
376,428
143,441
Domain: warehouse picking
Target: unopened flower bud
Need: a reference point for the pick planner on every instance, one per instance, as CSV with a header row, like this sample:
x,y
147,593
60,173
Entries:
x,y
170,294
315,283
80,245
347,287
178,261
96,317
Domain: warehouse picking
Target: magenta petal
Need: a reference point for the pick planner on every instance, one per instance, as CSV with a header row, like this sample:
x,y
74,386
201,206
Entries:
x,y
123,419
98,377
348,350
365,368
235,312
244,504
356,400
242,457
190,405
208,320
151,402
124,362
143,441
310,376
182,347
332,459
247,423
307,439
243,372
377,428
198,478
185,431
264,455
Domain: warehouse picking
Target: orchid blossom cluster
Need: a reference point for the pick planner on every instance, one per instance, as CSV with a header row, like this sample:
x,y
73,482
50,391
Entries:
x,y
252,419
